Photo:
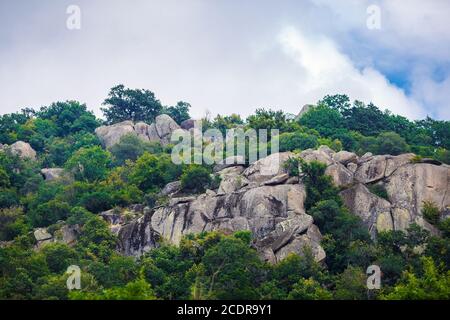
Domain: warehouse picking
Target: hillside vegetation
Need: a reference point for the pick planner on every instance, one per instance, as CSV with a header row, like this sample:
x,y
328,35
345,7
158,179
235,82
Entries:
x,y
211,265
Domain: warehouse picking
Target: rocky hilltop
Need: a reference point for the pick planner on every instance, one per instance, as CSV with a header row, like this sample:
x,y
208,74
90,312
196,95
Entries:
x,y
272,206
159,131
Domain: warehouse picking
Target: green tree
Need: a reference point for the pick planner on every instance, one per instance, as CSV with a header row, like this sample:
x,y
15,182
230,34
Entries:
x,y
323,119
268,119
59,150
179,112
69,117
195,178
166,269
116,272
89,164
319,187
340,102
351,285
151,172
291,141
224,123
131,104
12,223
9,124
4,179
135,290
131,147
291,270
434,283
309,289
59,256
49,212
78,215
391,143
231,270
368,120
96,240
54,287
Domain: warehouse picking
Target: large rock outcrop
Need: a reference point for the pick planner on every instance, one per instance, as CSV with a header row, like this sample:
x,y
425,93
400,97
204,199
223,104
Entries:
x,y
159,131
375,212
267,168
408,184
66,234
412,184
51,174
263,198
379,167
274,213
21,149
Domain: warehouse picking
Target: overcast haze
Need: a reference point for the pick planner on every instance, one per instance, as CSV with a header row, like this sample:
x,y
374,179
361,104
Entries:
x,y
228,56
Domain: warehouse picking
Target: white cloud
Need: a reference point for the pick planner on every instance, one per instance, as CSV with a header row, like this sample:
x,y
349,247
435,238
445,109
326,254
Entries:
x,y
226,56
325,70
432,93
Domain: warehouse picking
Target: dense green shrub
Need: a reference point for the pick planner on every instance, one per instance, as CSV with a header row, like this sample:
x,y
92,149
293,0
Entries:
x,y
195,178
89,164
379,190
291,141
48,213
131,147
151,172
430,212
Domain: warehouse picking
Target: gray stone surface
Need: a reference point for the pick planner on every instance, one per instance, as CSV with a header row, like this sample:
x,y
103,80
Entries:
x,y
159,131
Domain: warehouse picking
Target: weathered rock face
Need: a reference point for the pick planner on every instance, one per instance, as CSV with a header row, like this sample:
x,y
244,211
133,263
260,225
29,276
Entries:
x,y
279,179
41,234
345,157
263,199
267,168
379,167
52,173
159,131
407,184
322,155
110,135
171,188
65,234
410,185
372,170
340,174
137,237
20,149
274,214
235,161
374,211
231,179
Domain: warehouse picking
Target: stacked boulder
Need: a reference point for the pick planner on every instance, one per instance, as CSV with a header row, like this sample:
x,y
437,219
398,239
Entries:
x,y
159,131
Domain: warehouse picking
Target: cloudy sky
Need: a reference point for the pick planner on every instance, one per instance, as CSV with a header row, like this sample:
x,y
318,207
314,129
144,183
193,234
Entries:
x,y
228,56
